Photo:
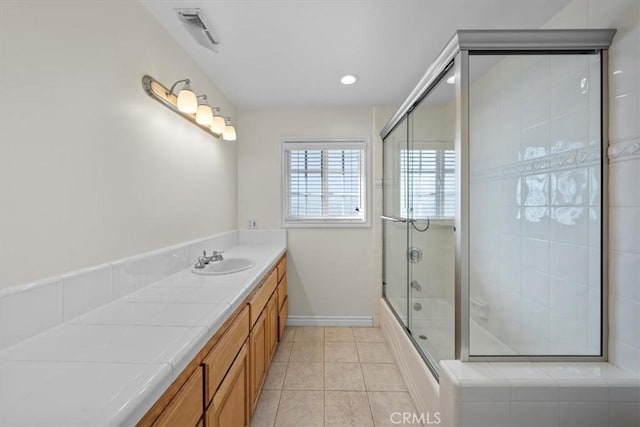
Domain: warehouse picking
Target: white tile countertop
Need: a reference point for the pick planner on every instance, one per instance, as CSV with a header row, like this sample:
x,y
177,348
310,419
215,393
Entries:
x,y
110,365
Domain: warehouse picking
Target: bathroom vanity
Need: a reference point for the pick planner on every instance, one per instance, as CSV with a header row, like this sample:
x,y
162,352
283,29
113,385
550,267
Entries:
x,y
163,346
221,385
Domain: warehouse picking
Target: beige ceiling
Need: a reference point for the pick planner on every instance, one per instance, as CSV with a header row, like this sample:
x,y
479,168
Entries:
x,y
287,53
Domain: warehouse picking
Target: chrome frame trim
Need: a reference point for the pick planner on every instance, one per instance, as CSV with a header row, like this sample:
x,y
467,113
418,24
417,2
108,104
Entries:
x,y
603,357
519,40
535,39
604,202
462,207
429,78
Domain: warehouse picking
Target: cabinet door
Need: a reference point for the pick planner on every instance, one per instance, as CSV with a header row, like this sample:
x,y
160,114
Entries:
x,y
230,405
257,357
272,324
282,320
220,358
186,407
282,291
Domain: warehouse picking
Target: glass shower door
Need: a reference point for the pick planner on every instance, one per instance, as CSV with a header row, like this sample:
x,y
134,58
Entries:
x,y
428,172
395,275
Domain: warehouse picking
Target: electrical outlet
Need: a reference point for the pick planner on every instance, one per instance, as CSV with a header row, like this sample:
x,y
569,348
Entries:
x,y
253,223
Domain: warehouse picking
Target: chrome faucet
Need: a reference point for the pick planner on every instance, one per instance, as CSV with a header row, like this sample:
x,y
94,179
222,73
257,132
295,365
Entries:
x,y
200,263
215,256
204,259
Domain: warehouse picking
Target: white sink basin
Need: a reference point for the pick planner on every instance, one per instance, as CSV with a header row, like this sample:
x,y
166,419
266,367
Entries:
x,y
227,266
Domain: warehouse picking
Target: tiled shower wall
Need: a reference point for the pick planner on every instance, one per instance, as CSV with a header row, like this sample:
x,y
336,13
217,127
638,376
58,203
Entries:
x,y
535,196
624,201
624,166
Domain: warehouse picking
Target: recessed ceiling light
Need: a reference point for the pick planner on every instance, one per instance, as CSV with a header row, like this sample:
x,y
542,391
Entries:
x,y
451,80
349,79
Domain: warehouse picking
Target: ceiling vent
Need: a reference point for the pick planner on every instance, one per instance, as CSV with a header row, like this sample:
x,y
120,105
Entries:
x,y
194,22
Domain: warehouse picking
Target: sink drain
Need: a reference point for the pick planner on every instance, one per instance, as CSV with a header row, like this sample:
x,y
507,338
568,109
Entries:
x,y
422,337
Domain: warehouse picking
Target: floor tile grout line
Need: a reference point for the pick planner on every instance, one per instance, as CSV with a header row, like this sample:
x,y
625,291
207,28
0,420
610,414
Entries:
x,y
324,389
277,408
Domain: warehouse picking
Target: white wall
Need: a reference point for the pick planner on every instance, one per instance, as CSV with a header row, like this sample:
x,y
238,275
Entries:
x,y
624,166
92,169
331,272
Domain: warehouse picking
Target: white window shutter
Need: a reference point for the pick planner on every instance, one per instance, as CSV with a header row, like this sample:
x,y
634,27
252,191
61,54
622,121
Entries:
x,y
325,182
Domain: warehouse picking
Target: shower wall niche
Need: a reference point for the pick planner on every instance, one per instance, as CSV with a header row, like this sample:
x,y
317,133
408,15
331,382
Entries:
x,y
494,236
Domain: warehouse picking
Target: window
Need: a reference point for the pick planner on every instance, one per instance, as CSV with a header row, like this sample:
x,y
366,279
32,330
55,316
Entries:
x,y
325,182
429,173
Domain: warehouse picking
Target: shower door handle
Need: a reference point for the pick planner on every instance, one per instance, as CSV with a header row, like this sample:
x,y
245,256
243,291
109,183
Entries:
x,y
393,218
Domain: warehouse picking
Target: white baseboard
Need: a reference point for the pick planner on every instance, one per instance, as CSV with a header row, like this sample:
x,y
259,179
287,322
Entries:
x,y
329,321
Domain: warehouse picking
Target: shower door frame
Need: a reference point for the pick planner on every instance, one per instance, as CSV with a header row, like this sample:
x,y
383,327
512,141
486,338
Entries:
x,y
504,42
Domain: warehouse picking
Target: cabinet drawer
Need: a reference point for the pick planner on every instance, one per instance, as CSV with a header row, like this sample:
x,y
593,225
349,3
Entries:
x,y
282,317
230,405
219,359
261,297
185,409
282,292
282,268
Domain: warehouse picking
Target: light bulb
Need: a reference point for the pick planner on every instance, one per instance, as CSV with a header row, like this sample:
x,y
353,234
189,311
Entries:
x,y
204,115
218,124
229,133
187,102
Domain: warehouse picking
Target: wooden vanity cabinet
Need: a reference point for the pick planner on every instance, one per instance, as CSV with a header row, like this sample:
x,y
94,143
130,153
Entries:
x,y
221,385
257,358
283,303
185,409
230,406
220,358
282,318
272,326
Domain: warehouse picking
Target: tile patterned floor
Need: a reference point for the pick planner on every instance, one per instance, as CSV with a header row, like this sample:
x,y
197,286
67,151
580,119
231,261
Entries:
x,y
331,377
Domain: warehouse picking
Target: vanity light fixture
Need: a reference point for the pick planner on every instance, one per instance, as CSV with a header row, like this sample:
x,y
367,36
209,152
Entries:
x,y
204,114
185,104
218,124
229,133
187,101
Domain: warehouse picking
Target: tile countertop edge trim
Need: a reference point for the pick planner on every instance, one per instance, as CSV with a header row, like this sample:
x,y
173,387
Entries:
x,y
133,412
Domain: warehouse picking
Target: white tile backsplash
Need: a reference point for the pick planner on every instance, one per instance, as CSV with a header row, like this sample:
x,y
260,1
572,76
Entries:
x,y
35,308
129,275
164,263
31,309
86,290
